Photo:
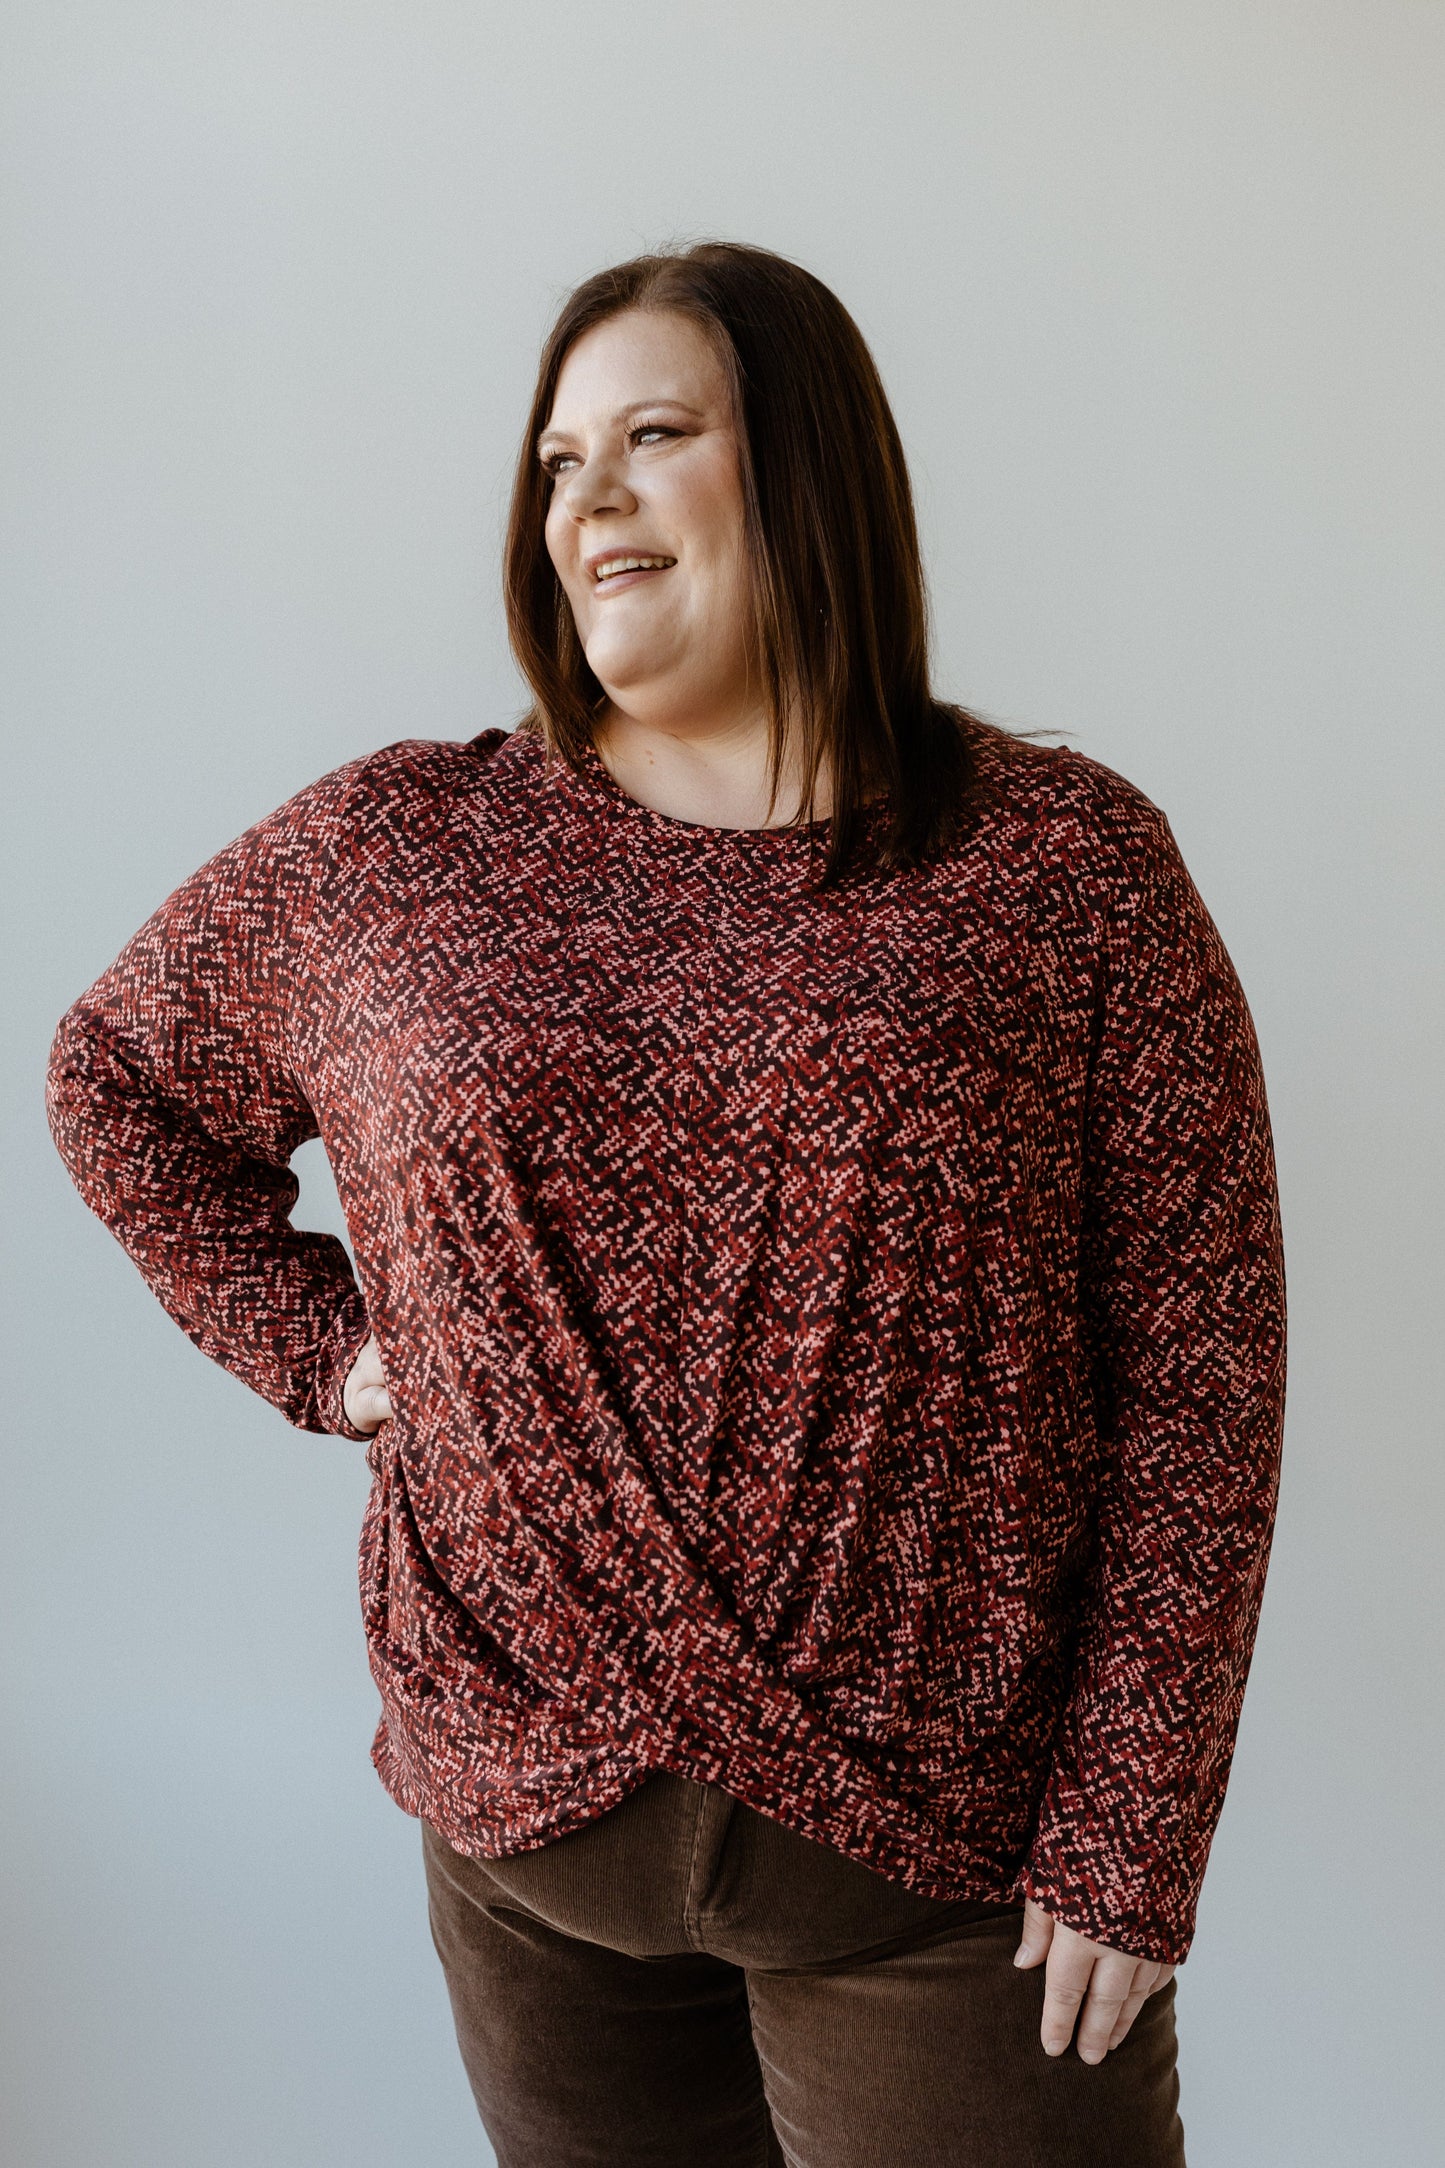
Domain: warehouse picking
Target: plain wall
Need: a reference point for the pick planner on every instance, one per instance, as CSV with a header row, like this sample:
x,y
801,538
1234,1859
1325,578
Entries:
x,y
1156,290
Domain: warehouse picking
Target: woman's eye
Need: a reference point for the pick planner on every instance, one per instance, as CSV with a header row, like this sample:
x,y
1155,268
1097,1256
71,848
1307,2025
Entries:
x,y
555,463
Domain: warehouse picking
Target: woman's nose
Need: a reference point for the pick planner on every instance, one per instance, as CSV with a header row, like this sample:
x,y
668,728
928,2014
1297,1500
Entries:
x,y
597,485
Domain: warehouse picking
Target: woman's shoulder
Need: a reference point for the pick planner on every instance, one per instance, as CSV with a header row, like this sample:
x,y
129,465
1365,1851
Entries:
x,y
1060,836
397,782
419,762
1057,805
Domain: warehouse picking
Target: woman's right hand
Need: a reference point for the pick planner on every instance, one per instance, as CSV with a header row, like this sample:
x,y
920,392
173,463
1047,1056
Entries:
x,y
364,1396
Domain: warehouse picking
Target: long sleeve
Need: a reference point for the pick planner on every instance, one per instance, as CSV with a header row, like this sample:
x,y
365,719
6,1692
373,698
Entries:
x,y
172,1099
1182,1304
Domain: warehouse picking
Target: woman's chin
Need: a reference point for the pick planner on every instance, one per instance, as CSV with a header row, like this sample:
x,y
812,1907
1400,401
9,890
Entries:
x,y
624,669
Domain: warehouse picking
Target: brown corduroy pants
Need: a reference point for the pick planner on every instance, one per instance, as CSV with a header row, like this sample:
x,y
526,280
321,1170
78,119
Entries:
x,y
684,1983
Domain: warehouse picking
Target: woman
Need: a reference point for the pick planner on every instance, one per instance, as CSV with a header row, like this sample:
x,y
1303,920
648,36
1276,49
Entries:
x,y
820,1306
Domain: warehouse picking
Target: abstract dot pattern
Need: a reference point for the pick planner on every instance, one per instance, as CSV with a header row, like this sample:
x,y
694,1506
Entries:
x,y
836,1342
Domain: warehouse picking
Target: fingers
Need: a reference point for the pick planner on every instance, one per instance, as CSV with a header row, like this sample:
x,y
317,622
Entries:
x,y
1066,1983
1099,1990
364,1396
1111,1987
373,1405
1038,1932
1158,1976
1132,2005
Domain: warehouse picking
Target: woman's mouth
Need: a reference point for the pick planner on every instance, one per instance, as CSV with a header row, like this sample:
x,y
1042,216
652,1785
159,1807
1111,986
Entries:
x,y
611,573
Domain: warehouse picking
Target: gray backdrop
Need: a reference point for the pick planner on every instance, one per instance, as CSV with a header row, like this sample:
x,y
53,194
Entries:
x,y
1156,290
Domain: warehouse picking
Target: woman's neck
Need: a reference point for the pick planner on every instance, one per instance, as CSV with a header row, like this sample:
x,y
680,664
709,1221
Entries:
x,y
714,779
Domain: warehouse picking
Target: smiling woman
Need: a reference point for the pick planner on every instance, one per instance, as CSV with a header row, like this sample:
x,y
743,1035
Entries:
x,y
818,1305
719,411
645,531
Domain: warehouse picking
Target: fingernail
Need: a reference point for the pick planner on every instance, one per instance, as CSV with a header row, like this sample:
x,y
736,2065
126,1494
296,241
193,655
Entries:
x,y
1021,1955
1052,2051
1091,2055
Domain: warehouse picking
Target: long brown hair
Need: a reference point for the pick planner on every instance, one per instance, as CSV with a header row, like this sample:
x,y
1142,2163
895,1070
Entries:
x,y
840,606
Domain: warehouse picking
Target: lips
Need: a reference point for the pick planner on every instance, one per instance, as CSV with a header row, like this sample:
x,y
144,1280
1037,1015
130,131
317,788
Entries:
x,y
609,568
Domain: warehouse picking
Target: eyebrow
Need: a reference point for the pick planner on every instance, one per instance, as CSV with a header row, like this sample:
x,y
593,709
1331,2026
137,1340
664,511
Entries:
x,y
634,406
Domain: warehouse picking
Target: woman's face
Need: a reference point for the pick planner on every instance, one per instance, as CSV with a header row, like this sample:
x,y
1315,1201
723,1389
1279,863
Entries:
x,y
643,449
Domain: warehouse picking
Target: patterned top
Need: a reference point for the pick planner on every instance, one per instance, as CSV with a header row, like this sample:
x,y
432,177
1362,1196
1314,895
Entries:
x,y
836,1342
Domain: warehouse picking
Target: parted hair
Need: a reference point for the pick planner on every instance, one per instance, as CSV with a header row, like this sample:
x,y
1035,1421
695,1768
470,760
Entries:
x,y
840,611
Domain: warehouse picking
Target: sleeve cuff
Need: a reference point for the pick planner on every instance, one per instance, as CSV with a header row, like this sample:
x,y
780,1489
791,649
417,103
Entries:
x,y
1157,1924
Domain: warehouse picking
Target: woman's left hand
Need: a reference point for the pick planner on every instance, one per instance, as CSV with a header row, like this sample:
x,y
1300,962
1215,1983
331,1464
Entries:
x,y
1110,1985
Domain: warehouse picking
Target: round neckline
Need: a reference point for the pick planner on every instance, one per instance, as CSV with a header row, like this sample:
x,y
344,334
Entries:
x,y
606,785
